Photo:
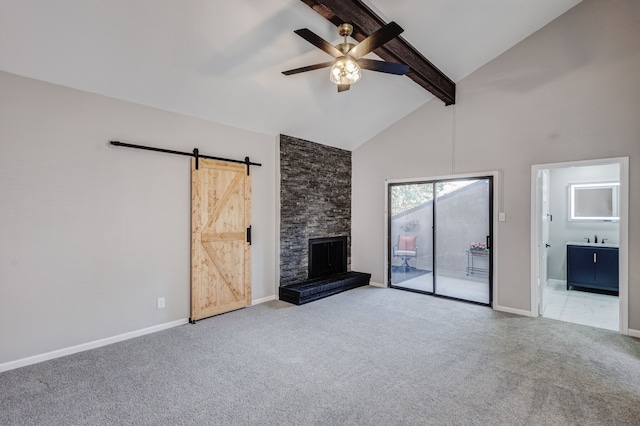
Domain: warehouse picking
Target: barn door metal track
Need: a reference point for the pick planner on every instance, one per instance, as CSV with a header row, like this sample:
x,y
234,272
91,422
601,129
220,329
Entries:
x,y
196,154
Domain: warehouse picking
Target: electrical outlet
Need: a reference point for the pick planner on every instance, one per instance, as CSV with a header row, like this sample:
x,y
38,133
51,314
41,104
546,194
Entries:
x,y
160,302
502,217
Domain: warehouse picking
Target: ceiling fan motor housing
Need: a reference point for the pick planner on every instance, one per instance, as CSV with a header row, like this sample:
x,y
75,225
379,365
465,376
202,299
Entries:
x,y
345,47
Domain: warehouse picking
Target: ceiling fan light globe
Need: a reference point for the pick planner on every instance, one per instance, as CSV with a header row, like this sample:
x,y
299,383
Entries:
x,y
345,71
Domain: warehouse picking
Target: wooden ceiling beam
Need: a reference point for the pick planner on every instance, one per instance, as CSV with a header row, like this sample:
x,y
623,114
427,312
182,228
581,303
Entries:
x,y
365,21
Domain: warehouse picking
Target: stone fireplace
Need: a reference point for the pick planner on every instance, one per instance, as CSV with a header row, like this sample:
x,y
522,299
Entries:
x,y
315,214
315,202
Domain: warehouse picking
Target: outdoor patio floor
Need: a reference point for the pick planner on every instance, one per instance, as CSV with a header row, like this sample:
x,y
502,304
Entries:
x,y
459,286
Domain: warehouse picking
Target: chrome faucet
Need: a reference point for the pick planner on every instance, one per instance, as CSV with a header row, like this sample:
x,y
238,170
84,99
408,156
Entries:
x,y
604,239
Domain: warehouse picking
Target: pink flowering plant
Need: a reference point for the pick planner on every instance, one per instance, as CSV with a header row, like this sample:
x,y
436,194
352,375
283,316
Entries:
x,y
477,247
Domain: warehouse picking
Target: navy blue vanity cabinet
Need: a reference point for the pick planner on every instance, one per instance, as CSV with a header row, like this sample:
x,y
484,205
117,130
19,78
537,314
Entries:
x,y
592,267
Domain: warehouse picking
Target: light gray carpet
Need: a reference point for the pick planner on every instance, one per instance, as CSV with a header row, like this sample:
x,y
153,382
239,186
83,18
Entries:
x,y
368,356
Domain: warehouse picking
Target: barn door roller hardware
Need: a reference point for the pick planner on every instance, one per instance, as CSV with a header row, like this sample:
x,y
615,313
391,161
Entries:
x,y
195,154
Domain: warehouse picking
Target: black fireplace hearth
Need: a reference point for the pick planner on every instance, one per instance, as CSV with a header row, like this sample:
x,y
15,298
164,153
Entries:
x,y
319,288
327,273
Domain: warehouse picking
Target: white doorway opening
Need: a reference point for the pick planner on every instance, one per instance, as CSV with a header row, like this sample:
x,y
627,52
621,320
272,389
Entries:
x,y
552,230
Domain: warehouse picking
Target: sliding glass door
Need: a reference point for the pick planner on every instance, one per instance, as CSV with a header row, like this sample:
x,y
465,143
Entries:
x,y
463,239
440,238
411,236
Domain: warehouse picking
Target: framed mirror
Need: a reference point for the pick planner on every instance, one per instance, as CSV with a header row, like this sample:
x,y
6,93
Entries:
x,y
594,201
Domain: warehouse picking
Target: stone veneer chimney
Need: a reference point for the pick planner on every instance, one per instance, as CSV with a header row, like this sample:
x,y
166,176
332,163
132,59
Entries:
x,y
315,202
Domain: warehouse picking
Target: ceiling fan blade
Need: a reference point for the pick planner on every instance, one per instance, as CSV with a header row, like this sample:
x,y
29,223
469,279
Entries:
x,y
319,42
381,66
343,87
308,68
375,40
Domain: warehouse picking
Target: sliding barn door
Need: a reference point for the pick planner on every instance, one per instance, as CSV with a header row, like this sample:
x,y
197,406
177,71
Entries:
x,y
220,253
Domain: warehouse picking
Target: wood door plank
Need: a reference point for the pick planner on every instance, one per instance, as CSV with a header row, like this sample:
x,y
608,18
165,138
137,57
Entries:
x,y
227,276
212,237
222,202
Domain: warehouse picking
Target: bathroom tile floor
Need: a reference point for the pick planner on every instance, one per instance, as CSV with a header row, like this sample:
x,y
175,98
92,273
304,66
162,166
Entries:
x,y
580,307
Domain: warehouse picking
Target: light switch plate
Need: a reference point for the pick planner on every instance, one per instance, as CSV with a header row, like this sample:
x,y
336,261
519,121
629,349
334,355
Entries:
x,y
502,217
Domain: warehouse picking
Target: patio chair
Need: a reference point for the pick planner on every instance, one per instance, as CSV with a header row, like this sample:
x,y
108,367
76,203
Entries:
x,y
406,249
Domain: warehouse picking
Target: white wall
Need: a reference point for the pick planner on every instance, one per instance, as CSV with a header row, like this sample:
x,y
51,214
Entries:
x,y
92,235
568,92
561,230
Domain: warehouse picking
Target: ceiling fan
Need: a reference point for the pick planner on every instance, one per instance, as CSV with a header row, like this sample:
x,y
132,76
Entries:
x,y
345,69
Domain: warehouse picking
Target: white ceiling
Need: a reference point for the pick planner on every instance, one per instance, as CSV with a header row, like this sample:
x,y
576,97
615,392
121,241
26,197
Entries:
x,y
222,60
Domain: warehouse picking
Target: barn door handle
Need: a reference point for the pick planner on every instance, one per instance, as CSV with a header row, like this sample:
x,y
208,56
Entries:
x,y
249,234
488,246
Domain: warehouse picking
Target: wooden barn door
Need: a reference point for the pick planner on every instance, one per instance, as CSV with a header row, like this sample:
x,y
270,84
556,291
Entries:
x,y
220,253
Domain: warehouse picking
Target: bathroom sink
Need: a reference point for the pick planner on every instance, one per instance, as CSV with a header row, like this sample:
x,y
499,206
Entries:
x,y
582,243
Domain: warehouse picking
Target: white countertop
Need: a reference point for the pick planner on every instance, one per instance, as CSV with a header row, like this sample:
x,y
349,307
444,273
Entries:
x,y
583,243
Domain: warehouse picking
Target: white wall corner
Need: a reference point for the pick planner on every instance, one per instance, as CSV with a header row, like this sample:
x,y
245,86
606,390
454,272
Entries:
x,y
513,311
276,236
263,300
634,333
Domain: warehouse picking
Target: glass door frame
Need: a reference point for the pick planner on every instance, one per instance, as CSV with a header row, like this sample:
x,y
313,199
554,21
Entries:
x,y
492,177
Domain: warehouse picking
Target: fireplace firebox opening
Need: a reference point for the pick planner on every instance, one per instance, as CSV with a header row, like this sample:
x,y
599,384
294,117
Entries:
x,y
327,256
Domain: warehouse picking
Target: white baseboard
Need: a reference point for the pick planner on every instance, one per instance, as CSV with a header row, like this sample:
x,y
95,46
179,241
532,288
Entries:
x,y
634,333
374,284
263,300
512,310
11,365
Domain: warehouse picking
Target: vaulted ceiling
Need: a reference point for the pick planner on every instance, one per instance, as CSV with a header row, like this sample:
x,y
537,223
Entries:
x,y
222,61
